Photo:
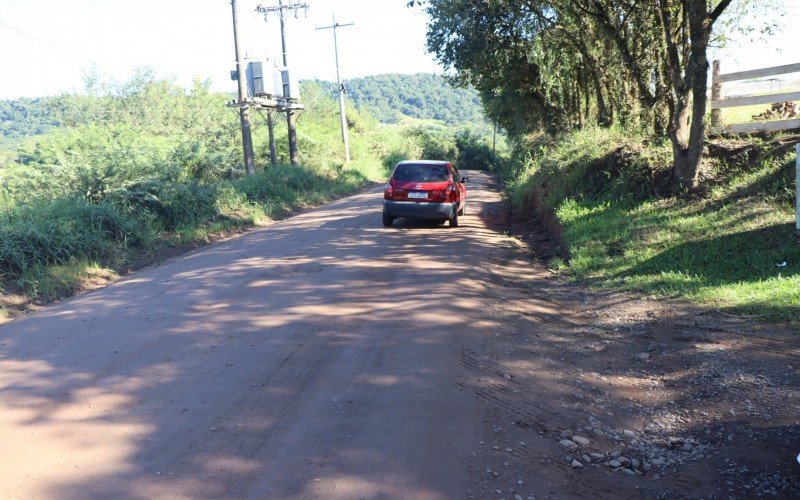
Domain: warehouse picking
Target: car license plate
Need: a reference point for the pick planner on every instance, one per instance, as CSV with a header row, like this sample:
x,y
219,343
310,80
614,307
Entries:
x,y
417,194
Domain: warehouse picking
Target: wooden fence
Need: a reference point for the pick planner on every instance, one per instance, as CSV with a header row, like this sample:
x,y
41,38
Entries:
x,y
719,102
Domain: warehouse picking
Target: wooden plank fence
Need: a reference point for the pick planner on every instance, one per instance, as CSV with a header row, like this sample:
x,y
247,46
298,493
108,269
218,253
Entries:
x,y
718,101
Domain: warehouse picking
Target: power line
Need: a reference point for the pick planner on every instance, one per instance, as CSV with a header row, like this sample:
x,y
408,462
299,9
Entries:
x,y
44,42
152,27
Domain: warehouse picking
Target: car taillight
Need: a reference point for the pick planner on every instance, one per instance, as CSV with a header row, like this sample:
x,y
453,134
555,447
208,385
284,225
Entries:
x,y
451,194
388,193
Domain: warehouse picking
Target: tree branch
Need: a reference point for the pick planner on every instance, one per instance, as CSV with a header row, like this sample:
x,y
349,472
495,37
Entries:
x,y
718,10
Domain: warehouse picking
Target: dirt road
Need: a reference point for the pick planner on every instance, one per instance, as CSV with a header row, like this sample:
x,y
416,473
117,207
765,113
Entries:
x,y
328,357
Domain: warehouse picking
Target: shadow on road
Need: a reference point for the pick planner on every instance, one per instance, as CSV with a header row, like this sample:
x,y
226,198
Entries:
x,y
328,356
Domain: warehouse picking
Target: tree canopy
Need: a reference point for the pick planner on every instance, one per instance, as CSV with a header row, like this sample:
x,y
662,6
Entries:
x,y
556,65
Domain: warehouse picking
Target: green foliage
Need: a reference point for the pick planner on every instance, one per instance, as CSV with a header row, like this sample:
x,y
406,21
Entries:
x,y
556,66
466,148
24,117
588,163
172,204
473,151
436,144
56,233
721,249
424,96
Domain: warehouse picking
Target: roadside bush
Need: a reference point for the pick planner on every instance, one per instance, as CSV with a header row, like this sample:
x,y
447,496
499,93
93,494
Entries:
x,y
473,151
55,234
173,204
436,144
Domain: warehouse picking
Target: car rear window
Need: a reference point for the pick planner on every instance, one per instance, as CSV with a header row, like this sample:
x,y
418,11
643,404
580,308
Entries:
x,y
420,173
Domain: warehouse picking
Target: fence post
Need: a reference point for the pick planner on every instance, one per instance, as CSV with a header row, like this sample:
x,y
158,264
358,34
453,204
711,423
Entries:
x,y
797,191
716,94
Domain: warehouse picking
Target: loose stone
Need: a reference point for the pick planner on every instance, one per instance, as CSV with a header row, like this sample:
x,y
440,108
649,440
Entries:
x,y
570,445
581,440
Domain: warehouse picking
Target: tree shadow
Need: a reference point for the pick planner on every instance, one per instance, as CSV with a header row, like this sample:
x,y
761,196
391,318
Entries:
x,y
315,358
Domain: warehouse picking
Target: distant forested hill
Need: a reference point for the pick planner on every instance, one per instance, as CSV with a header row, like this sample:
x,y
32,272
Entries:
x,y
386,97
424,95
23,117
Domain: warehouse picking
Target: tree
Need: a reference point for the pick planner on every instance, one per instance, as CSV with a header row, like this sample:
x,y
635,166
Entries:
x,y
686,44
558,59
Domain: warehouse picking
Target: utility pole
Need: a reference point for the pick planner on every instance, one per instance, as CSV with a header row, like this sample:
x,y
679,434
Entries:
x,y
273,157
342,116
244,111
281,10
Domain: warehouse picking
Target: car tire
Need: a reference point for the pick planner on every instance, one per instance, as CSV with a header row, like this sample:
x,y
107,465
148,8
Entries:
x,y
387,220
454,220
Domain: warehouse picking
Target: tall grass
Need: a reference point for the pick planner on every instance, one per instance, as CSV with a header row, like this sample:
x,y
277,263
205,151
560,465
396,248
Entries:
x,y
35,236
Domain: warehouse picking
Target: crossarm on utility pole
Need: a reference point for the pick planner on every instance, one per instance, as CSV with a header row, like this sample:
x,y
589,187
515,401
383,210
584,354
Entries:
x,y
291,116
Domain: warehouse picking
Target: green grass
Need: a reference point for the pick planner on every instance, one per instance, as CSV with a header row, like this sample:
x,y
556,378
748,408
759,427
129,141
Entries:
x,y
46,248
719,250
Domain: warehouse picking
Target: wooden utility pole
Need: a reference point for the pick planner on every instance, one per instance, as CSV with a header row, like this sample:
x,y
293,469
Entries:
x,y
273,157
244,111
342,115
291,116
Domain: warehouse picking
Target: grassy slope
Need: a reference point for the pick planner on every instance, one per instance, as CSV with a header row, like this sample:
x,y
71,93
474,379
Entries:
x,y
158,194
50,250
719,249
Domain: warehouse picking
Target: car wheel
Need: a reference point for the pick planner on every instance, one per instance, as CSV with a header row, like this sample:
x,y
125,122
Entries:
x,y
387,220
454,220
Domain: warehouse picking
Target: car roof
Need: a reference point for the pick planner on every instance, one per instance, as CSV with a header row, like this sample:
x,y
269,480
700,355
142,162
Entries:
x,y
424,162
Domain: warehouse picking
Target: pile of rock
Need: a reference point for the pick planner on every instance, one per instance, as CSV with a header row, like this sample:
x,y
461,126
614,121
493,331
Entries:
x,y
634,453
581,457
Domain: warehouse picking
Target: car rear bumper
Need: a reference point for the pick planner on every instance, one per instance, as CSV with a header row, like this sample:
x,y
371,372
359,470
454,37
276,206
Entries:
x,y
419,209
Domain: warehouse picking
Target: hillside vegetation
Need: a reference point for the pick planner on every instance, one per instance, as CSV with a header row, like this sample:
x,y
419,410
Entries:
x,y
425,96
90,184
389,98
730,246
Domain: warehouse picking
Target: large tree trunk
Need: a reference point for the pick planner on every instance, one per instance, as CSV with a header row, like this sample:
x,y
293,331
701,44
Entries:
x,y
689,80
604,117
679,134
690,157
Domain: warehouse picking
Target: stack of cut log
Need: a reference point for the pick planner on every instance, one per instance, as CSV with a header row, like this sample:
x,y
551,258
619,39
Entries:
x,y
779,111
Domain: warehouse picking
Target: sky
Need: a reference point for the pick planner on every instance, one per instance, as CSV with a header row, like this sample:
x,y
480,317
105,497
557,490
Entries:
x,y
48,46
65,39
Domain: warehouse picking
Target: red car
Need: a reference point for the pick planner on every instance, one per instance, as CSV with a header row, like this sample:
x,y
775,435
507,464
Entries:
x,y
424,189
